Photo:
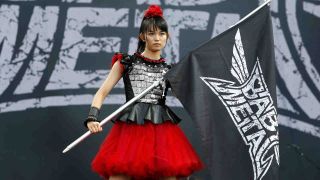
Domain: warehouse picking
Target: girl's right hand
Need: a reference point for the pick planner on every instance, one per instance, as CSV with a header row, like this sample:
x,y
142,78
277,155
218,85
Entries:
x,y
94,126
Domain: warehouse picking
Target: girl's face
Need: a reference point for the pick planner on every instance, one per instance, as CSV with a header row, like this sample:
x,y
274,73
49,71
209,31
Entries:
x,y
155,39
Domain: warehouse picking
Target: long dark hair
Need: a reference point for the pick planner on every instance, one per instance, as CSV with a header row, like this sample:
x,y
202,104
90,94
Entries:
x,y
151,23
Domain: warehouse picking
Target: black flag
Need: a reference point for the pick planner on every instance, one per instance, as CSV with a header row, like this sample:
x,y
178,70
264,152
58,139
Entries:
x,y
228,87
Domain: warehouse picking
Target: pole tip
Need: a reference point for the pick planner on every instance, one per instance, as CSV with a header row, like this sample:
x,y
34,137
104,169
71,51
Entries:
x,y
65,150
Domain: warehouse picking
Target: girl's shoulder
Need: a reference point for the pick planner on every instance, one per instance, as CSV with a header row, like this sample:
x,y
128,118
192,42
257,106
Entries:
x,y
123,57
171,65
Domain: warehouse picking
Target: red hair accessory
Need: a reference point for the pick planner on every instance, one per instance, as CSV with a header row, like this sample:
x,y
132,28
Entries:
x,y
152,11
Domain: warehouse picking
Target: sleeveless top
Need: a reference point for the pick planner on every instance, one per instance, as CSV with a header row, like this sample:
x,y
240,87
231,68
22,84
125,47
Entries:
x,y
140,73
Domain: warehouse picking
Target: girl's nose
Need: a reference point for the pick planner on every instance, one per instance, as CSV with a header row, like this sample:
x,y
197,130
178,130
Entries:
x,y
157,37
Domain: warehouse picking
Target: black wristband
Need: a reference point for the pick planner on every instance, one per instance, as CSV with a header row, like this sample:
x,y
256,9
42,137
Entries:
x,y
94,112
93,115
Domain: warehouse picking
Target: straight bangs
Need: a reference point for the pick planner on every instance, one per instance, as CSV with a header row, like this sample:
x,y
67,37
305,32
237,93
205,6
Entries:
x,y
151,24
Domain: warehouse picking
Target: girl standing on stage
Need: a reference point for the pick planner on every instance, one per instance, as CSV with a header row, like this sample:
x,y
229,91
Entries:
x,y
145,141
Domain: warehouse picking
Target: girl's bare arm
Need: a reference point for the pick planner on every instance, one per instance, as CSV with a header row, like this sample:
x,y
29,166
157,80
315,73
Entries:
x,y
112,79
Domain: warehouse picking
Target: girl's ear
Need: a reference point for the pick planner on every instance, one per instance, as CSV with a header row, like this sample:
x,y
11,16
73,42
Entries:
x,y
141,36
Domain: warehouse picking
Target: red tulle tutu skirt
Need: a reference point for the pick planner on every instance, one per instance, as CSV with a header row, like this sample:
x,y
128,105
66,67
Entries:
x,y
147,151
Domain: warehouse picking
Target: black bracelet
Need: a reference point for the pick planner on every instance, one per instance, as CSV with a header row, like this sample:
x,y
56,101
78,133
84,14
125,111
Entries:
x,y
93,116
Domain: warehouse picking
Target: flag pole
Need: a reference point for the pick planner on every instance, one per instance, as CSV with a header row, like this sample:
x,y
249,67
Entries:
x,y
252,12
88,133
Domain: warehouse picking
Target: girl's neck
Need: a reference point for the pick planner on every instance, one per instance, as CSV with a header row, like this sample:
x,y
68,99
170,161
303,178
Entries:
x,y
151,54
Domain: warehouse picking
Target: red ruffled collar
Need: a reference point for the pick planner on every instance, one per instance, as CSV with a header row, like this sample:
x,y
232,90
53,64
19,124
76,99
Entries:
x,y
150,60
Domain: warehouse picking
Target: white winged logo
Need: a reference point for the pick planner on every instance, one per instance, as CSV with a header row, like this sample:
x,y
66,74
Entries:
x,y
251,108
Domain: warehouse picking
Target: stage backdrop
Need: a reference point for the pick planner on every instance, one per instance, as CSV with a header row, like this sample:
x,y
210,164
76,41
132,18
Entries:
x,y
54,55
